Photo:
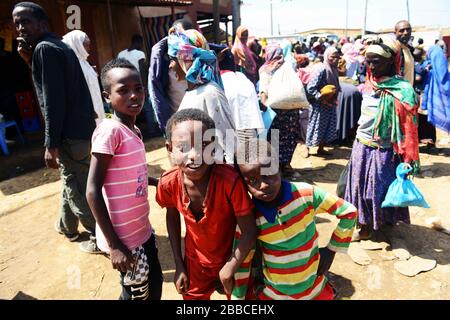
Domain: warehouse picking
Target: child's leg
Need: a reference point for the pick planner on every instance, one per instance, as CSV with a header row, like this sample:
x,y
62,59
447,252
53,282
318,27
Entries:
x,y
151,287
202,281
135,292
155,273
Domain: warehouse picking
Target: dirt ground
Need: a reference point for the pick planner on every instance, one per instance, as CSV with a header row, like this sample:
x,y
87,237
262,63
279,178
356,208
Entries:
x,y
38,263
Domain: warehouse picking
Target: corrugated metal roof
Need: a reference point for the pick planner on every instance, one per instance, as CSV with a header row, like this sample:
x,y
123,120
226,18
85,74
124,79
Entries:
x,y
143,3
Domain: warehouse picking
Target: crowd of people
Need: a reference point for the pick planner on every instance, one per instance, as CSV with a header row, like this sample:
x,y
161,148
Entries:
x,y
231,131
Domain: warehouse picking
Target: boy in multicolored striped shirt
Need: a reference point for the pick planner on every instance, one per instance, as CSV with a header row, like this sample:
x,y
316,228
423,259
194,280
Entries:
x,y
293,265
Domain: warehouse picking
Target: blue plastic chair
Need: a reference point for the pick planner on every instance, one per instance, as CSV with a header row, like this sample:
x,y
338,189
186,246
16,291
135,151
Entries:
x,y
4,125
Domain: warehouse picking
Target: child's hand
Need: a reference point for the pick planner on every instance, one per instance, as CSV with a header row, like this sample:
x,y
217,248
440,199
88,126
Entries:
x,y
181,281
121,259
326,259
226,276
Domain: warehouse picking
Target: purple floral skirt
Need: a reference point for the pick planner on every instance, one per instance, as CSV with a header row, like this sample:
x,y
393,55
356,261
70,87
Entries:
x,y
371,171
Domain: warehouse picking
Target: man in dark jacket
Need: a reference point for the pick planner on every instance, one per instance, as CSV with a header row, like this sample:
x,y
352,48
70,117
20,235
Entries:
x,y
68,112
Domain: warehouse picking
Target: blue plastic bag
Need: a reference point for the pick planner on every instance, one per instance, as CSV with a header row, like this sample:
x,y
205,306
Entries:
x,y
402,192
267,117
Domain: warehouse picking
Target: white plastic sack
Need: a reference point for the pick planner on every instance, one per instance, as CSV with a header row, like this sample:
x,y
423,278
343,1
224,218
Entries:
x,y
286,90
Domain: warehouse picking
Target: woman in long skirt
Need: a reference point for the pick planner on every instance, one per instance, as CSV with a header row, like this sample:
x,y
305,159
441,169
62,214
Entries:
x,y
386,136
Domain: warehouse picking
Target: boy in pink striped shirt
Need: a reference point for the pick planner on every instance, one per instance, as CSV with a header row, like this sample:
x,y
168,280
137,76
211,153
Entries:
x,y
117,186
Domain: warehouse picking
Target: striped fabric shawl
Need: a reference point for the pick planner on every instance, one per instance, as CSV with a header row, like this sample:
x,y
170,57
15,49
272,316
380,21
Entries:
x,y
396,119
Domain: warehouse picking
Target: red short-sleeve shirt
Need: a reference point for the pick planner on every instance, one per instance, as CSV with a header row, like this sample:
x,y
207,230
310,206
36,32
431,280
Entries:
x,y
209,240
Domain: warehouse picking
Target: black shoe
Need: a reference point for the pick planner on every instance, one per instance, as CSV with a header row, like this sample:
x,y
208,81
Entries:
x,y
70,236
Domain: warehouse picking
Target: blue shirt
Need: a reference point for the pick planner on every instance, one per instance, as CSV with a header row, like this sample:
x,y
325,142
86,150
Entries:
x,y
269,212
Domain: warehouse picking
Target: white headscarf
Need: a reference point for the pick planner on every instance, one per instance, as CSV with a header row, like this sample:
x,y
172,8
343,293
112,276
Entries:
x,y
75,39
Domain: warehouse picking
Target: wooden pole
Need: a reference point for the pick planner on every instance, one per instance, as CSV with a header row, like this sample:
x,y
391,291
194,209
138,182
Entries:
x,y
407,9
346,21
226,31
111,29
216,20
271,18
236,16
365,19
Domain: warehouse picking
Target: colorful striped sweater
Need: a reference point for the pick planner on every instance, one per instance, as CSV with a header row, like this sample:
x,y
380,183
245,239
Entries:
x,y
290,248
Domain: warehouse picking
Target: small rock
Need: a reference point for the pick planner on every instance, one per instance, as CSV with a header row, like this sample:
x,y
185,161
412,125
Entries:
x,y
414,266
358,255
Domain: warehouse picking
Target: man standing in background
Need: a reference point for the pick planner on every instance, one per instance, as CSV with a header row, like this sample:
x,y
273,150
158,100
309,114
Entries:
x,y
403,32
68,112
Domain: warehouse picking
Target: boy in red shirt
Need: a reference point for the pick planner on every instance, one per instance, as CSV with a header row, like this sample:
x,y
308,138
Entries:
x,y
212,199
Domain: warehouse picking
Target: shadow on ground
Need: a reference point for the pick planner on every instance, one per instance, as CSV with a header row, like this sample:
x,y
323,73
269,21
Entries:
x,y
436,170
419,241
343,286
326,174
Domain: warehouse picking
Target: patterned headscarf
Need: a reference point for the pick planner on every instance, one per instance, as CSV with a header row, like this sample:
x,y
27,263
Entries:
x,y
387,46
274,59
191,45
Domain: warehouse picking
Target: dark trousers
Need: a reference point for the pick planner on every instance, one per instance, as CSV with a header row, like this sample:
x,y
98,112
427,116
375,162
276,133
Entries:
x,y
152,288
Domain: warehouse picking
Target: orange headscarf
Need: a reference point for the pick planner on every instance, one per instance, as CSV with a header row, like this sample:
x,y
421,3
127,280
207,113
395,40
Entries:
x,y
242,54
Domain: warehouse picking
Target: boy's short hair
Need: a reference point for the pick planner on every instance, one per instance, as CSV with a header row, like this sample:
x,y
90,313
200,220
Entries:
x,y
114,63
252,151
188,115
37,10
258,152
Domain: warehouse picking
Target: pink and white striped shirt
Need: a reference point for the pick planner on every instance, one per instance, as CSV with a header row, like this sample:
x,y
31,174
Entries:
x,y
126,183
